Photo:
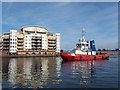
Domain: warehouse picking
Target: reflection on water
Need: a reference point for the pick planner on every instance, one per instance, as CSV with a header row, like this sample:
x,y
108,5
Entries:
x,y
82,71
0,73
30,72
86,70
51,72
12,71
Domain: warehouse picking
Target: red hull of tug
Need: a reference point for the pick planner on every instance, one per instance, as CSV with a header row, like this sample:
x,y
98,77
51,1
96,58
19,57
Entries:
x,y
66,56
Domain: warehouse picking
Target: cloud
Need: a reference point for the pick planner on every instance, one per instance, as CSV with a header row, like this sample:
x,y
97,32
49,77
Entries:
x,y
60,0
100,19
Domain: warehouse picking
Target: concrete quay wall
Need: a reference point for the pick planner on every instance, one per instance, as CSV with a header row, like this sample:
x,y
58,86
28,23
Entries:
x,y
110,52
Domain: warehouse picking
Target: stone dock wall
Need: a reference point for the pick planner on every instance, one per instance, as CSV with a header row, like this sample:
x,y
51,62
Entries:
x,y
17,56
110,52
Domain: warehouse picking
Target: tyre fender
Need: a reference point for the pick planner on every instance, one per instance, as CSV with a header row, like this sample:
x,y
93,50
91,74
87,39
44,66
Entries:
x,y
80,57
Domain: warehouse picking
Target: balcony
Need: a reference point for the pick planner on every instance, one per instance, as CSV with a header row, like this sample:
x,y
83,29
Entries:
x,y
52,45
52,39
39,47
36,48
6,38
20,38
5,48
36,38
36,45
29,31
51,48
51,42
20,41
5,42
19,47
39,32
20,44
37,41
5,45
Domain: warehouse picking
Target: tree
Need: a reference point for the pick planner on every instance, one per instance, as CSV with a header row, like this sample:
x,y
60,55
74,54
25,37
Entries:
x,y
99,49
104,49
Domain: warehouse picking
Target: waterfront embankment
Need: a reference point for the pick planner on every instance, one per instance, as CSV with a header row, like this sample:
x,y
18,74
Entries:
x,y
17,56
110,52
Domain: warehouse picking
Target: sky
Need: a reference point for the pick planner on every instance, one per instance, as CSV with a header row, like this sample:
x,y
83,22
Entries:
x,y
100,19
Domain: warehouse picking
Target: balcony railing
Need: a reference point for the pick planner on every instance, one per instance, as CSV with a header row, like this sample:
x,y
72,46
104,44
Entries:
x,y
51,48
36,48
20,44
36,38
41,32
20,47
6,41
37,41
20,41
52,39
36,45
20,38
5,44
5,48
52,45
51,42
6,38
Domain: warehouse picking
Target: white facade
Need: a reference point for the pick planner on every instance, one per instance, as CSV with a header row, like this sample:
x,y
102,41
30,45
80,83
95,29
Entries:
x,y
84,52
13,41
41,32
44,42
57,42
28,42
34,38
0,44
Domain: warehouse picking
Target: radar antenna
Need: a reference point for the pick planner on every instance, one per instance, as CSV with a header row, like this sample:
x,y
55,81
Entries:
x,y
83,32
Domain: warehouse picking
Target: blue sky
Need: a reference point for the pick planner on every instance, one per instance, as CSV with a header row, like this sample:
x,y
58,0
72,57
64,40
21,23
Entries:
x,y
99,18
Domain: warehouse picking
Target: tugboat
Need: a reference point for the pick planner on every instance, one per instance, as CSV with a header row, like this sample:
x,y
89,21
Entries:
x,y
85,50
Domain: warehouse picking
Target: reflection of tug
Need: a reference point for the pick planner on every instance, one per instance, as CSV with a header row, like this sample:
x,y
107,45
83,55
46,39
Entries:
x,y
83,52
85,71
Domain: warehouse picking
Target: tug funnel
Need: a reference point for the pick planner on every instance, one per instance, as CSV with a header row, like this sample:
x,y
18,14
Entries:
x,y
92,45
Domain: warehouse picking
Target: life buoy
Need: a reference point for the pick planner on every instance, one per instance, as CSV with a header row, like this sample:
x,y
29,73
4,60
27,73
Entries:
x,y
107,57
80,57
94,57
102,57
72,57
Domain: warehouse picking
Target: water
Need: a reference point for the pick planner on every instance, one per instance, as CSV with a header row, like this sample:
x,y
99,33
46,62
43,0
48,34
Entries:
x,y
51,72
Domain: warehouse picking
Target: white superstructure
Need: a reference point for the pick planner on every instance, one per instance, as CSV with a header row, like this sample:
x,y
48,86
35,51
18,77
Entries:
x,y
57,42
82,44
13,41
82,47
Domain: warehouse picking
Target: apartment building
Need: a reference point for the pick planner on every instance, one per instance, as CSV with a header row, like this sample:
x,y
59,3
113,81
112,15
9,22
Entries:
x,y
30,40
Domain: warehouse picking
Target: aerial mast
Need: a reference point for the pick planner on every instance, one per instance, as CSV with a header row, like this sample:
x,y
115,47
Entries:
x,y
83,32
